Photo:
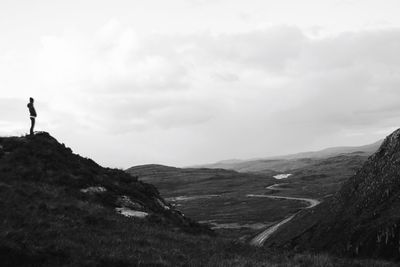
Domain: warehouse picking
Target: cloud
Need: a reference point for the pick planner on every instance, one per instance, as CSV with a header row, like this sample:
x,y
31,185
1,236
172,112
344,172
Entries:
x,y
349,76
129,75
246,94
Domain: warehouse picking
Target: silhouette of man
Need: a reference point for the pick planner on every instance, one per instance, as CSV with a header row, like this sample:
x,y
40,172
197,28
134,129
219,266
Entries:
x,y
32,113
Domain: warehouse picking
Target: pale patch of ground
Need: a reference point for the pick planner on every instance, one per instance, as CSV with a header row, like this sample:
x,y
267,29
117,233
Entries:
x,y
94,189
282,176
132,213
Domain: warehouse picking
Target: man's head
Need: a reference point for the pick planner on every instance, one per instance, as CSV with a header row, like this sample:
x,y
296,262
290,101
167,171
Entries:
x,y
31,100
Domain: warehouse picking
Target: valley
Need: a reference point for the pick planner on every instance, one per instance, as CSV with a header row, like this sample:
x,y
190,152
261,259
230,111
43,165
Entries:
x,y
243,204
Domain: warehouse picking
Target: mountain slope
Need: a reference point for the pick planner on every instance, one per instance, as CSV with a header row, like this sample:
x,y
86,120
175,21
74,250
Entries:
x,y
362,219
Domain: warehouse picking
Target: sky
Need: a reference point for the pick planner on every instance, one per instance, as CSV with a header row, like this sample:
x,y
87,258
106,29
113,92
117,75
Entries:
x,y
188,82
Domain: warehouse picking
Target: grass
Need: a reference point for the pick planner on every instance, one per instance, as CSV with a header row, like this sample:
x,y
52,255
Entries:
x,y
44,225
239,209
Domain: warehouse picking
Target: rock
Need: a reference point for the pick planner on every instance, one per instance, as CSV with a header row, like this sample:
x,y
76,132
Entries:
x,y
94,189
162,204
132,213
126,202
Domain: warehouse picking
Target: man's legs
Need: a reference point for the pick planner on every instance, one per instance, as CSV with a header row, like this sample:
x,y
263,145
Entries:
x,y
32,124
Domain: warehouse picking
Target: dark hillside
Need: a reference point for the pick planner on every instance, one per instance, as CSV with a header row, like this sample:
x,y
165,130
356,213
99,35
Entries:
x,y
362,219
57,207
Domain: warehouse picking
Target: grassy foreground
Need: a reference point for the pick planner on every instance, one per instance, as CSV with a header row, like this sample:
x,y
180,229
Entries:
x,y
73,233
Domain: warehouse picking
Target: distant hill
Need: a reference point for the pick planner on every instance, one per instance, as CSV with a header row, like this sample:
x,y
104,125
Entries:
x,y
335,151
290,162
173,181
362,219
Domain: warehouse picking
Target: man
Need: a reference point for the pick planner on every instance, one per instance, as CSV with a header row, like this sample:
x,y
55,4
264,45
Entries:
x,y
32,113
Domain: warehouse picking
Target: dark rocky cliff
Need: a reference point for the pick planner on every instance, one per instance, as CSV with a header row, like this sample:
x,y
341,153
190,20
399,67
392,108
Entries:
x,y
362,219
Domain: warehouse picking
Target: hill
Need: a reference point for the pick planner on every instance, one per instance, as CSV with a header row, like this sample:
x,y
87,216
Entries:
x,y
362,219
57,207
293,161
174,182
336,151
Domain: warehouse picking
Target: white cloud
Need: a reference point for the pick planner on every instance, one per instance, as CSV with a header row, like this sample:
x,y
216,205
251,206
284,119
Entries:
x,y
213,96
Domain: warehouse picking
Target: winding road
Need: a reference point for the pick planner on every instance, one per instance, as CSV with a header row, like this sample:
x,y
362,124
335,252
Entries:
x,y
261,238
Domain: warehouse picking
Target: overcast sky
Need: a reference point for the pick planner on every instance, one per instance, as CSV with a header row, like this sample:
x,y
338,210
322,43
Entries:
x,y
185,82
